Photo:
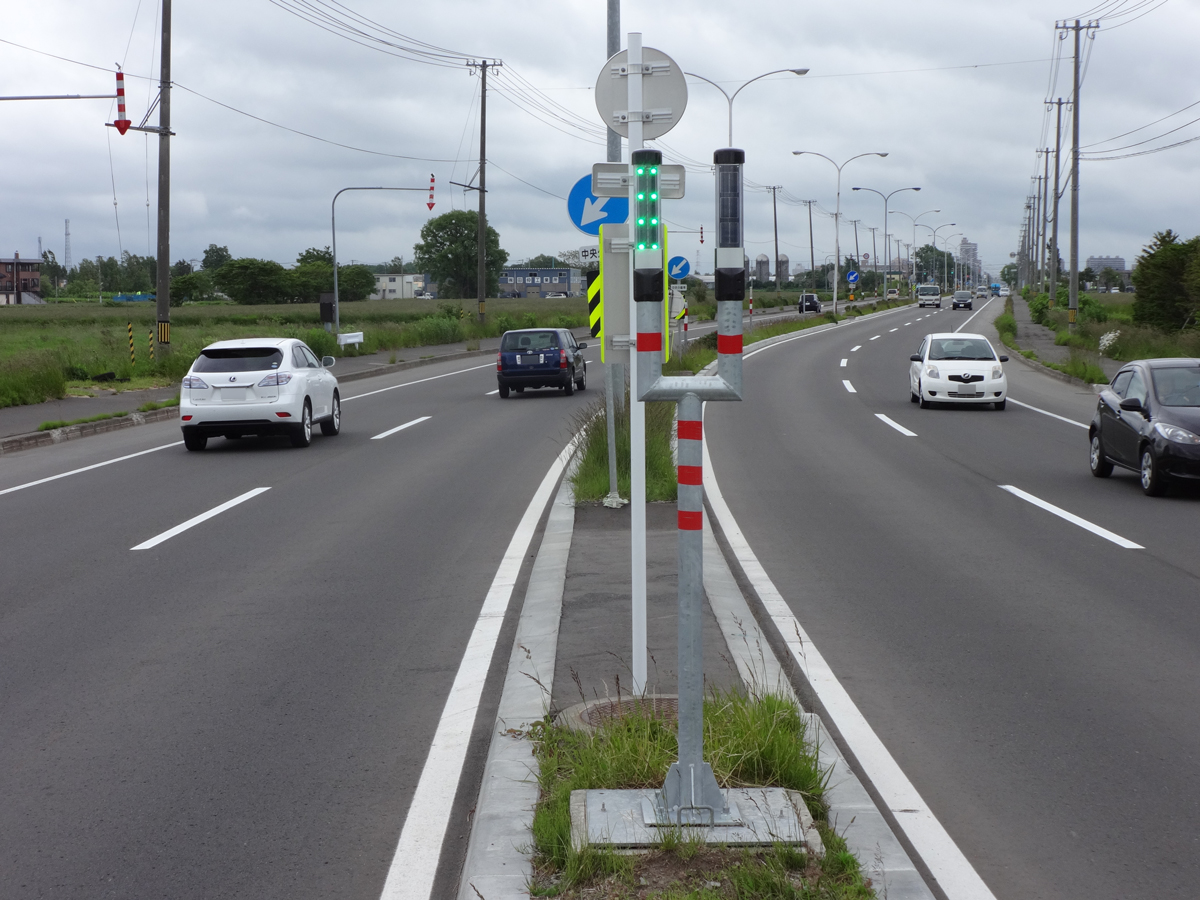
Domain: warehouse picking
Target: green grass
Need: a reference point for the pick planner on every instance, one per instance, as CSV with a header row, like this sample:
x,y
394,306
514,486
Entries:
x,y
61,423
591,477
757,740
1006,325
158,404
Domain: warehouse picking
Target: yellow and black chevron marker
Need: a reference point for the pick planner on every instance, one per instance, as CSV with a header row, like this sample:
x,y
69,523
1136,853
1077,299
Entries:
x,y
150,341
595,295
132,361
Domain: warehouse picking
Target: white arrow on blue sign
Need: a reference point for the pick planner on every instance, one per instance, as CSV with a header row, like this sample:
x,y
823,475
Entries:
x,y
678,267
588,212
852,277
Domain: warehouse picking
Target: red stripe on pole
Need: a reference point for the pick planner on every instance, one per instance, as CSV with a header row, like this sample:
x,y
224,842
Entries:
x,y
690,521
649,341
691,474
729,343
690,430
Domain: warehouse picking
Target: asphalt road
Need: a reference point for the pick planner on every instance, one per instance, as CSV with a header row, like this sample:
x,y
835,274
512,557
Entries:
x,y
1038,683
244,709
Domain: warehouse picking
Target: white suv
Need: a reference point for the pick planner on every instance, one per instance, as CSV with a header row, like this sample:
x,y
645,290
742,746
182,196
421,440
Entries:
x,y
258,386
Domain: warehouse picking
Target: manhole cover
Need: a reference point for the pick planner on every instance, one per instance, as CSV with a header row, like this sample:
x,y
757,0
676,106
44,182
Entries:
x,y
596,713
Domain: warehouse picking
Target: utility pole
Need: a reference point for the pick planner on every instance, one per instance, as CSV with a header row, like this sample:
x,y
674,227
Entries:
x,y
162,287
614,47
1073,310
875,260
774,189
1057,195
812,260
1043,222
857,255
1037,227
481,274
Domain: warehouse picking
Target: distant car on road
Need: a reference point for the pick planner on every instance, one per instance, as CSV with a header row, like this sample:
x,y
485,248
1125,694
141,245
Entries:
x,y
893,294
540,357
1148,420
258,386
963,299
1004,292
982,292
810,303
929,295
957,368
555,295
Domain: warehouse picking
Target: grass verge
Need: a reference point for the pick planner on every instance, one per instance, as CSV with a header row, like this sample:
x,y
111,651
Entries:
x,y
749,740
591,477
62,423
159,404
1077,366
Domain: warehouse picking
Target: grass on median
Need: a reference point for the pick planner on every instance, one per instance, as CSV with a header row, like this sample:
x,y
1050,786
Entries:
x,y
750,740
62,423
591,477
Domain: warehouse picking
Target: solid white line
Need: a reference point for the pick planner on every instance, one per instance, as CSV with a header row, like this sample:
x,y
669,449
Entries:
x,y
491,393
1072,518
196,520
974,314
844,361
107,462
1046,413
418,381
900,428
411,874
849,386
877,337
401,427
951,870
856,347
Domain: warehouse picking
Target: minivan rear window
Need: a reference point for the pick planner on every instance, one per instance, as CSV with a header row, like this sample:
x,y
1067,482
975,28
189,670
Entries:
x,y
529,340
238,359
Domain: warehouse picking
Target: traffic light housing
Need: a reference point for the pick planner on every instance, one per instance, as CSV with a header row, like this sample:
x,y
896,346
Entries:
x,y
647,205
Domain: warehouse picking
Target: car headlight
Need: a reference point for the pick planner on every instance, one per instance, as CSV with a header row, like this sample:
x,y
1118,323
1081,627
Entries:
x,y
932,372
997,373
194,382
1176,434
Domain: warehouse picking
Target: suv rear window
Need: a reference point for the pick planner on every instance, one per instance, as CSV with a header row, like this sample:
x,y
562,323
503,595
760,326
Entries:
x,y
529,340
238,359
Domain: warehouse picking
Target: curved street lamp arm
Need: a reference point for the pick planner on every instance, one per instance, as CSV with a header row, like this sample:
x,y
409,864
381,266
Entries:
x,y
765,74
713,83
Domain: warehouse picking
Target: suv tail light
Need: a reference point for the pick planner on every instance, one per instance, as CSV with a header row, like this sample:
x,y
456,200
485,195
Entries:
x,y
562,359
194,383
499,361
275,379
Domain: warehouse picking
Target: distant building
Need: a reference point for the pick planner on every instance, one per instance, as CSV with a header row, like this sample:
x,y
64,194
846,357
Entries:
x,y
20,281
1099,263
396,286
524,282
762,267
785,268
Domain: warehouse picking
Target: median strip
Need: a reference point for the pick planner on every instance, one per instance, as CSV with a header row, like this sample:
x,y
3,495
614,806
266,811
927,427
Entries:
x,y
900,428
400,428
196,520
1072,518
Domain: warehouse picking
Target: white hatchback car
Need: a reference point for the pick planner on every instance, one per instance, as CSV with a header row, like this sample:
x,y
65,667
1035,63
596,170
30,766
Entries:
x,y
957,368
258,386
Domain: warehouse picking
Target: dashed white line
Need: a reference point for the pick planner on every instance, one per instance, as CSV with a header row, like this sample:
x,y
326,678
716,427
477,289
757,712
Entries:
x,y
893,329
490,393
1047,413
877,337
856,347
196,520
908,323
107,462
418,381
391,431
900,428
1072,518
849,386
844,361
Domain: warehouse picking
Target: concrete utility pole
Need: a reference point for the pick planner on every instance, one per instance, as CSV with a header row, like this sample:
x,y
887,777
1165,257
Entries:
x,y
875,259
1073,311
774,189
481,275
1057,195
614,47
162,288
812,259
1044,221
1037,228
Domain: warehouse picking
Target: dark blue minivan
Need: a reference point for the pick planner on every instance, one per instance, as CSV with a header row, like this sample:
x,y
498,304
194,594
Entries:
x,y
540,357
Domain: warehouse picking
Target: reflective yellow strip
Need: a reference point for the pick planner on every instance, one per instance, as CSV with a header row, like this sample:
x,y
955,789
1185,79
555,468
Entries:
x,y
600,281
164,332
666,299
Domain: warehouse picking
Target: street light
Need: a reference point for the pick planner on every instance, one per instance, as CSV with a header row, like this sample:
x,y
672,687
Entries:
x,y
730,98
913,271
886,198
945,263
935,231
837,237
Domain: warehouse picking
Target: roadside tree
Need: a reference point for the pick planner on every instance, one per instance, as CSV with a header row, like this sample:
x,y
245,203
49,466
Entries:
x,y
254,281
1167,282
448,253
215,257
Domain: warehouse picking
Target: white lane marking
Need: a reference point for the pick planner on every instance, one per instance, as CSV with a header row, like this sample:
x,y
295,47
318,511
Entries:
x,y
949,867
908,323
196,520
491,393
974,314
1072,518
107,462
877,337
893,329
1047,413
809,332
900,428
849,386
400,427
844,361
410,876
418,381
856,347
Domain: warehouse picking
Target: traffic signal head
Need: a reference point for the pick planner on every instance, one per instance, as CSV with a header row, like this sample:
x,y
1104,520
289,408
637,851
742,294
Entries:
x,y
647,231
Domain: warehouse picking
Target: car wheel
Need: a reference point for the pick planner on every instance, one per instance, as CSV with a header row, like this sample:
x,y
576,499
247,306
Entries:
x,y
1000,404
569,387
925,404
504,391
581,383
1099,463
1153,483
333,424
195,441
302,433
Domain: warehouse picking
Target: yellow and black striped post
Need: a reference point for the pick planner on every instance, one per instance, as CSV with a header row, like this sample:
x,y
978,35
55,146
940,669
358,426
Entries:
x,y
595,295
132,359
150,343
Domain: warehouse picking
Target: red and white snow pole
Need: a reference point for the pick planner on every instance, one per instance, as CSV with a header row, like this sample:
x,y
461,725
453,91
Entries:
x,y
430,203
122,123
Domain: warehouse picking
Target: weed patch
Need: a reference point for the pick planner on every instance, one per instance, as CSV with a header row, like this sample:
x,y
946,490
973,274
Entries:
x,y
62,423
591,477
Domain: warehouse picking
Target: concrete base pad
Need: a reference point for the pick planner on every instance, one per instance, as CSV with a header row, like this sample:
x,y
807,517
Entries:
x,y
766,815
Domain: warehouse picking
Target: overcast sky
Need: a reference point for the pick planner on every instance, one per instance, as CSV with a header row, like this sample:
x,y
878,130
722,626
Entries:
x,y
952,91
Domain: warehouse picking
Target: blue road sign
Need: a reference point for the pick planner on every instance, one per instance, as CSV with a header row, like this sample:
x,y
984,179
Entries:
x,y
588,212
678,267
852,277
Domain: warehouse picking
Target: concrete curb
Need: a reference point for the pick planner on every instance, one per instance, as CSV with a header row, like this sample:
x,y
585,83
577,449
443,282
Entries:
x,y
87,429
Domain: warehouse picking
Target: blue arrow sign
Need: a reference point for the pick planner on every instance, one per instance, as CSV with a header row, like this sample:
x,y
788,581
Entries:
x,y
678,267
852,277
588,212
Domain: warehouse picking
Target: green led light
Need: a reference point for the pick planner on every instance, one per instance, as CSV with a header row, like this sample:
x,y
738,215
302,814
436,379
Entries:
x,y
652,222
641,246
654,196
641,196
654,246
654,170
641,171
641,221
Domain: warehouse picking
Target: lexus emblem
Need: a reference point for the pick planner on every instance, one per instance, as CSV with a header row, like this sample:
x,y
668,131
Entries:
x,y
233,378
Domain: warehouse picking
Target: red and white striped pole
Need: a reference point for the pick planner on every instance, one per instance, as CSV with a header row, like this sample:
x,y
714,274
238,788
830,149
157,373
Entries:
x,y
430,203
122,124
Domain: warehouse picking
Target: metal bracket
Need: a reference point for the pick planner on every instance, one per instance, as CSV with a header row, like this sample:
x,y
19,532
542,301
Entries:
x,y
651,68
622,341
624,116
613,180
